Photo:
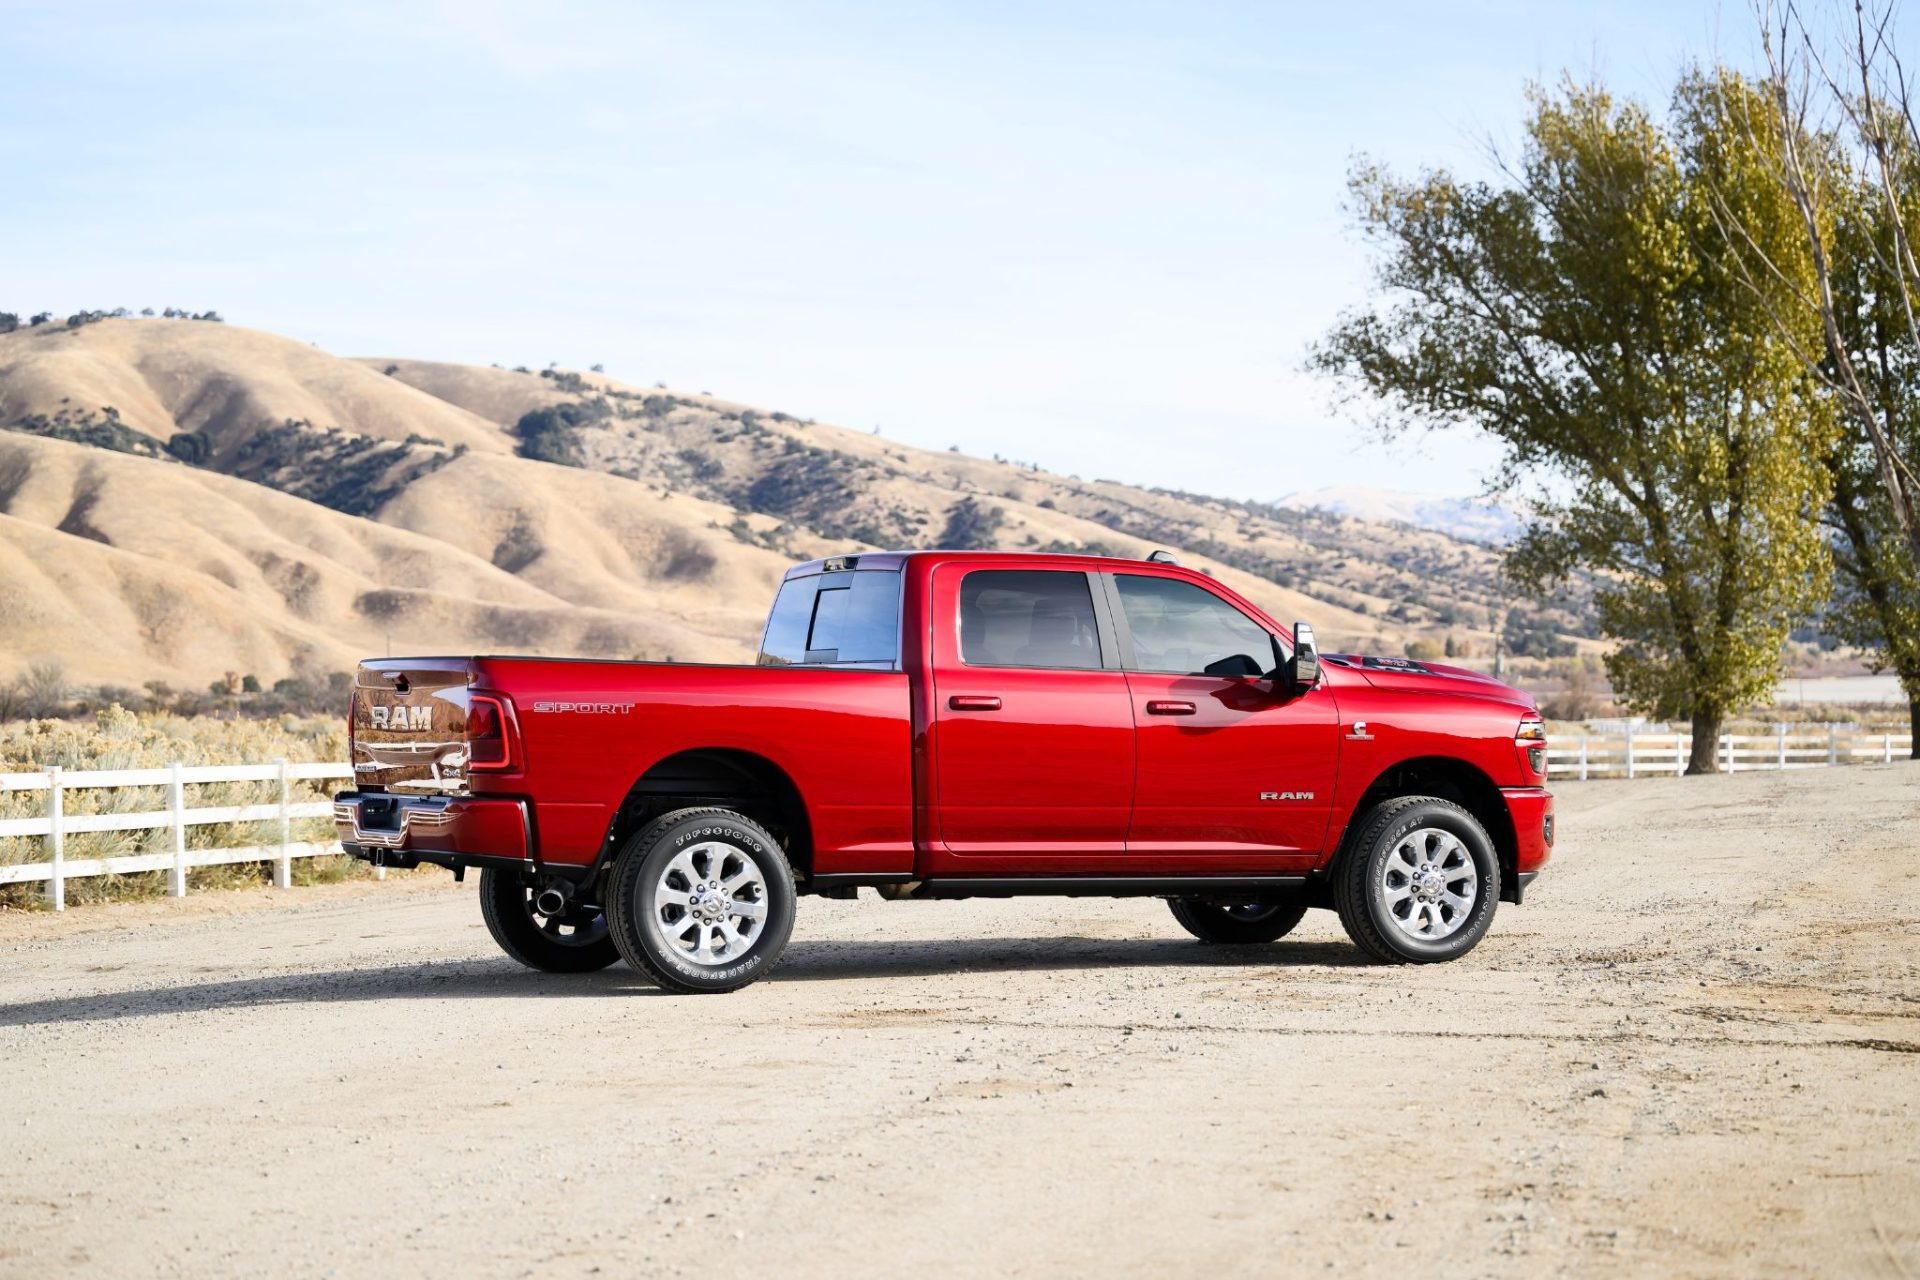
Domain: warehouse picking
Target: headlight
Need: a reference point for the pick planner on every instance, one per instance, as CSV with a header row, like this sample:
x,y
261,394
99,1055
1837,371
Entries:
x,y
1531,740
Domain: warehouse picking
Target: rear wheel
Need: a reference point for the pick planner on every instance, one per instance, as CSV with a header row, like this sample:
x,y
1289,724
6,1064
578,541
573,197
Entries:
x,y
575,941
1236,922
702,901
1419,883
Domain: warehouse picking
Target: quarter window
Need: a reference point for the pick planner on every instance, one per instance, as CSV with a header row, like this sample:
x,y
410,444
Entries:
x,y
1028,618
838,618
1183,629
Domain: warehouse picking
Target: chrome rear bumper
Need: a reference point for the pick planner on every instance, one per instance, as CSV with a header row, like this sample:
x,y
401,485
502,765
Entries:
x,y
386,821
397,830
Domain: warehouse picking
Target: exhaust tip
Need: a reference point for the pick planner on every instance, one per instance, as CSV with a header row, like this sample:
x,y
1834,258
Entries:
x,y
550,902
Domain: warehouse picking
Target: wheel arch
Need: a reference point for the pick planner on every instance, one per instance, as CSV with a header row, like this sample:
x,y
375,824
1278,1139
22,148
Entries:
x,y
727,777
1447,778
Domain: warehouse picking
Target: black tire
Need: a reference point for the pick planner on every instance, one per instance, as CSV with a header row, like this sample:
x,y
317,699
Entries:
x,y
645,936
1239,923
577,942
1363,881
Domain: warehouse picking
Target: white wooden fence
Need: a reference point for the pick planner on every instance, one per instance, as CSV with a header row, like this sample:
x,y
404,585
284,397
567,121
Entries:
x,y
1624,755
57,824
1644,754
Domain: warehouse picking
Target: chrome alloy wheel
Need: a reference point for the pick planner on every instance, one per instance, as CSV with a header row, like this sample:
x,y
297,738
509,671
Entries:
x,y
711,902
1429,884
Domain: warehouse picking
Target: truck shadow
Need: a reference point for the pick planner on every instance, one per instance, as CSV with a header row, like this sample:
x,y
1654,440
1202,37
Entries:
x,y
808,961
823,961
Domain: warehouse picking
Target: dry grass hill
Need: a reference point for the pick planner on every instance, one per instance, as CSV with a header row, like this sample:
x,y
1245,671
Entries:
x,y
181,498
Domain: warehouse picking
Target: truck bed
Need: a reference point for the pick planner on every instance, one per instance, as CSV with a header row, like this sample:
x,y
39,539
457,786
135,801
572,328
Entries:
x,y
586,731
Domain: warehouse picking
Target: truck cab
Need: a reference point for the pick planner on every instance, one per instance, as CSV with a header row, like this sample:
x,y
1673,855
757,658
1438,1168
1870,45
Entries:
x,y
945,724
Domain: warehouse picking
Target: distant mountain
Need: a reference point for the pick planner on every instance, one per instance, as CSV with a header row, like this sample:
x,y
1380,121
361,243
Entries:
x,y
180,499
1474,519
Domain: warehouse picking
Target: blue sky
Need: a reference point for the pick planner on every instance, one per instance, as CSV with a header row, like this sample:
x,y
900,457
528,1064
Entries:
x,y
1095,236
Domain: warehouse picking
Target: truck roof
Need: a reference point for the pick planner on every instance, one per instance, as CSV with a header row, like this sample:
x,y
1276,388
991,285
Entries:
x,y
897,559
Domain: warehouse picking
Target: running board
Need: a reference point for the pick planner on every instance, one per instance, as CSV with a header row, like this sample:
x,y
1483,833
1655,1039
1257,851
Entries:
x,y
1105,886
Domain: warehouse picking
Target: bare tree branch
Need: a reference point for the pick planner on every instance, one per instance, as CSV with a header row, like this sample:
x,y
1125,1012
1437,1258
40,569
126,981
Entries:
x,y
1789,90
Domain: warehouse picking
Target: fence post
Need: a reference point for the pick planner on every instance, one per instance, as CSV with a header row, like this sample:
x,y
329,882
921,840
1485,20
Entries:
x,y
1886,749
1679,755
57,838
1583,757
283,872
1726,751
1629,752
1833,744
1782,730
177,808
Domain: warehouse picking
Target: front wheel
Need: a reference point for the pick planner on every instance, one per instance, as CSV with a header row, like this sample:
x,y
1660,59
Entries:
x,y
1237,922
1419,883
702,901
575,941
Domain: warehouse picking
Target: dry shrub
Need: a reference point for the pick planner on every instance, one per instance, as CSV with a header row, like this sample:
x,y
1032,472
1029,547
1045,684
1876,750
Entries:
x,y
119,739
684,558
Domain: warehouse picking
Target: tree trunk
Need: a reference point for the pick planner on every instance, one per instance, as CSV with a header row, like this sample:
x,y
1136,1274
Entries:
x,y
1913,727
1706,742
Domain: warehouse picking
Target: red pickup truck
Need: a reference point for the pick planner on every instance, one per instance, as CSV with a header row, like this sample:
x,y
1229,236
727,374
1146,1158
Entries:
x,y
949,725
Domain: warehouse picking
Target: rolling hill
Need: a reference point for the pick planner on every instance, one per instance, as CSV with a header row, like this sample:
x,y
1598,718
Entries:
x,y
182,498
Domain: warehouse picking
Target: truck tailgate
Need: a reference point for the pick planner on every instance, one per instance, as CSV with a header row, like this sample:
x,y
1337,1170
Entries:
x,y
409,725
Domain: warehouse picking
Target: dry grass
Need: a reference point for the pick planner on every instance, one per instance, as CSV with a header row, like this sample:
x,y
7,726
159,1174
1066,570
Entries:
x,y
119,739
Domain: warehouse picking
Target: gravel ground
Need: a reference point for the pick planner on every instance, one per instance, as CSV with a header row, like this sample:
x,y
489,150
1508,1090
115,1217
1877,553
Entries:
x,y
1693,1052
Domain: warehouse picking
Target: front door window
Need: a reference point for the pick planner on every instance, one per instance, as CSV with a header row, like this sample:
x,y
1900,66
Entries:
x,y
1182,629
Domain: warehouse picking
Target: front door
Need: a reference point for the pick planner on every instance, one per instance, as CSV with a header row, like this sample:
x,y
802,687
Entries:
x,y
1230,764
1033,731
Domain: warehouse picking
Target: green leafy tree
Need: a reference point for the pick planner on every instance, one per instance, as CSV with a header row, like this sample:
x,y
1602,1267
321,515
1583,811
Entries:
x,y
1585,312
546,435
1840,100
1877,589
191,447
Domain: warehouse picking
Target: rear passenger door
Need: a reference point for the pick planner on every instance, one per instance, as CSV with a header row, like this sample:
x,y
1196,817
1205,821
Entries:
x,y
1033,732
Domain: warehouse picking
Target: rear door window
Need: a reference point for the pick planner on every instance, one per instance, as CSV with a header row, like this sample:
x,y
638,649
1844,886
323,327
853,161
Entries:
x,y
847,618
1028,618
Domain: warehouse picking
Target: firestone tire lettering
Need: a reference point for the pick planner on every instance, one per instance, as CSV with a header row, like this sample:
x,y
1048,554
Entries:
x,y
640,868
1357,895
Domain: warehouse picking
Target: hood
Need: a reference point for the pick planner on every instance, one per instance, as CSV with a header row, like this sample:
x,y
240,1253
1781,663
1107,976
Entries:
x,y
1409,676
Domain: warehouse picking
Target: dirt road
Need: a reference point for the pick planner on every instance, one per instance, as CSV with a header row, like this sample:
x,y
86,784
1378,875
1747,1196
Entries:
x,y
1695,1051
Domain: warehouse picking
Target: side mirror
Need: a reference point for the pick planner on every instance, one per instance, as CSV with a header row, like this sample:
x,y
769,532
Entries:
x,y
1303,671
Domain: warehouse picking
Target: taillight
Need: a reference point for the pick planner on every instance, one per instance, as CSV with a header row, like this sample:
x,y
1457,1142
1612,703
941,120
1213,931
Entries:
x,y
487,743
1531,740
